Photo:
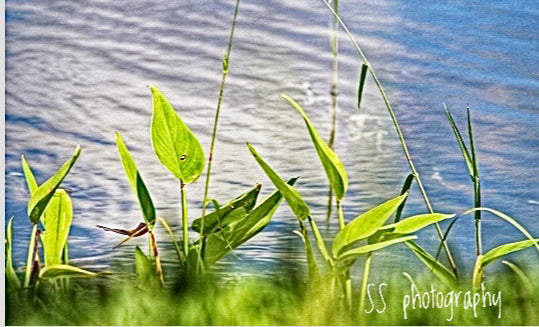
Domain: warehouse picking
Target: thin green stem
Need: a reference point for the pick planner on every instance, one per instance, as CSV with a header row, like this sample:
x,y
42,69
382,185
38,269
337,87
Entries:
x,y
217,112
341,214
335,51
365,282
399,132
30,258
185,221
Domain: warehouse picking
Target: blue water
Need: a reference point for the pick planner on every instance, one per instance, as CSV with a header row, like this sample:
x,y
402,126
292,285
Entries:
x,y
77,71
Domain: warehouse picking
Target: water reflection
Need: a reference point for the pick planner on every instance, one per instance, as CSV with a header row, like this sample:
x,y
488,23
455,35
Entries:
x,y
76,72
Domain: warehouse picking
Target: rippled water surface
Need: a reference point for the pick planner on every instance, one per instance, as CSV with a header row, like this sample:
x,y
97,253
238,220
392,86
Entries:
x,y
76,71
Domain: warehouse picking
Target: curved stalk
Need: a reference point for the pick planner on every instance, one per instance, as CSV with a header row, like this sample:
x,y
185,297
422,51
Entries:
x,y
399,132
32,250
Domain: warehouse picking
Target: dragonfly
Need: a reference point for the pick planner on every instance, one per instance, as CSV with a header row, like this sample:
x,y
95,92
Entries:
x,y
140,230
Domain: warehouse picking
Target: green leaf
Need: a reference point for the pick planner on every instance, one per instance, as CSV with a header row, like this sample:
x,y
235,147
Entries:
x,y
136,182
415,223
291,195
444,274
146,274
366,224
233,235
56,221
504,249
174,143
462,145
43,194
12,280
212,220
332,164
57,271
350,254
29,176
362,76
509,220
405,189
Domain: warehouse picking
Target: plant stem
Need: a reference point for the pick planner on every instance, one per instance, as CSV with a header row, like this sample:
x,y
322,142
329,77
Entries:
x,y
400,135
30,257
158,268
341,214
364,282
217,112
185,221
335,51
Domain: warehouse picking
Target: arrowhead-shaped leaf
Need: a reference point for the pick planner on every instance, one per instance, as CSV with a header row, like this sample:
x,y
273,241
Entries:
x,y
174,143
56,221
43,194
291,195
366,224
330,161
136,182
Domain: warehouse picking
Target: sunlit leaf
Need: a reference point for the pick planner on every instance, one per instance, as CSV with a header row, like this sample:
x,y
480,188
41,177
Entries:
x,y
415,223
332,164
366,224
56,221
57,271
372,247
12,280
136,182
212,220
291,195
43,194
174,143
444,274
29,176
504,249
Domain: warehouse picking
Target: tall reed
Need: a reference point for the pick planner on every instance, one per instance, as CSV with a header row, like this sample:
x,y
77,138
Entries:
x,y
399,132
226,59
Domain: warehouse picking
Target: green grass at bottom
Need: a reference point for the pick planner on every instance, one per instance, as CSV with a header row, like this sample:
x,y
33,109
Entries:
x,y
264,301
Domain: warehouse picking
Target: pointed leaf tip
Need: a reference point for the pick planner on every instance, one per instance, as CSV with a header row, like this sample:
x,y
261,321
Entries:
x,y
175,145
